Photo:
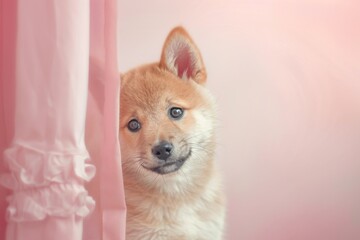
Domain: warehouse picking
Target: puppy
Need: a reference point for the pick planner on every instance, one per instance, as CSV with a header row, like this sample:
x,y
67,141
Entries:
x,y
167,119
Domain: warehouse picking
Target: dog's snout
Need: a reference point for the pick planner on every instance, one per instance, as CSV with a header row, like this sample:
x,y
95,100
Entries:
x,y
163,150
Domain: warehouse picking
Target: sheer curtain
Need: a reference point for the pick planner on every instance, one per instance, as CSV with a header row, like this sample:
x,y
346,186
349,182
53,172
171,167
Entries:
x,y
60,167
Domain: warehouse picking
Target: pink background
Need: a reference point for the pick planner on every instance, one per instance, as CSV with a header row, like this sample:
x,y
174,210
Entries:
x,y
287,78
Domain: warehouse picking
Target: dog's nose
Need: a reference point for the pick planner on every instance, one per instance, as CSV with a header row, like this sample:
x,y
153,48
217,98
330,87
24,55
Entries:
x,y
163,150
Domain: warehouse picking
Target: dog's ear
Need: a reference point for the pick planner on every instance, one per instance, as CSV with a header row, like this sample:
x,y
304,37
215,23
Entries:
x,y
181,56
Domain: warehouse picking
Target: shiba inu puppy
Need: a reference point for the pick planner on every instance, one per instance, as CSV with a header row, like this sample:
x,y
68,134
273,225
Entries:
x,y
167,118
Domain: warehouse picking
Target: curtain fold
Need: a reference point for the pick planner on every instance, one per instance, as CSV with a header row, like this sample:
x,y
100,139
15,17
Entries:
x,y
108,220
7,91
59,109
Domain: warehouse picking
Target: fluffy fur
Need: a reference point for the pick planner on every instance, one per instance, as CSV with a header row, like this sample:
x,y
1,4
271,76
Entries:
x,y
185,203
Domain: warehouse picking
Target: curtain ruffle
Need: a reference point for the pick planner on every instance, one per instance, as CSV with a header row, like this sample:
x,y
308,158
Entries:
x,y
46,184
57,200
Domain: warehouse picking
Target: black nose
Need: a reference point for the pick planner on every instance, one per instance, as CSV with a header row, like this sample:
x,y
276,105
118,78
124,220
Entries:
x,y
163,150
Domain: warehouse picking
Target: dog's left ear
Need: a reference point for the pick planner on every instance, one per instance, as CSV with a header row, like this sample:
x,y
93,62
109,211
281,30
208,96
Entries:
x,y
181,56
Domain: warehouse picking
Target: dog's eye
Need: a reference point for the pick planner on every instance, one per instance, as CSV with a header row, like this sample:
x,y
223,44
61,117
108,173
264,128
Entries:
x,y
134,125
176,113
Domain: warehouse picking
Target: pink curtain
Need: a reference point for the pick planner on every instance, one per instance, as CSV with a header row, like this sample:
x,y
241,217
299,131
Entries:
x,y
60,167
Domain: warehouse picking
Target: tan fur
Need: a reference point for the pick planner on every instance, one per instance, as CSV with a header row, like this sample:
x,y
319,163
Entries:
x,y
188,203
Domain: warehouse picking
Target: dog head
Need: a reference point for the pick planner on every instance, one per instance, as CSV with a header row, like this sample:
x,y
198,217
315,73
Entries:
x,y
167,115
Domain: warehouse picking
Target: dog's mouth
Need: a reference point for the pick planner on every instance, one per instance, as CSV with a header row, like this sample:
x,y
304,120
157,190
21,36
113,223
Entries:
x,y
170,166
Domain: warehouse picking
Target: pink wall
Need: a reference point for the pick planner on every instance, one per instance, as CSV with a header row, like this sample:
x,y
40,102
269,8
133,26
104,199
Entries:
x,y
287,78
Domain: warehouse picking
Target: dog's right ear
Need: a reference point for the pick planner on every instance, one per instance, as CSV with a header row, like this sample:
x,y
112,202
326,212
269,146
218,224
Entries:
x,y
181,56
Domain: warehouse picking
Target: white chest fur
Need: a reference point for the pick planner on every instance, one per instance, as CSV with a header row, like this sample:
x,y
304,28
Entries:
x,y
200,217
